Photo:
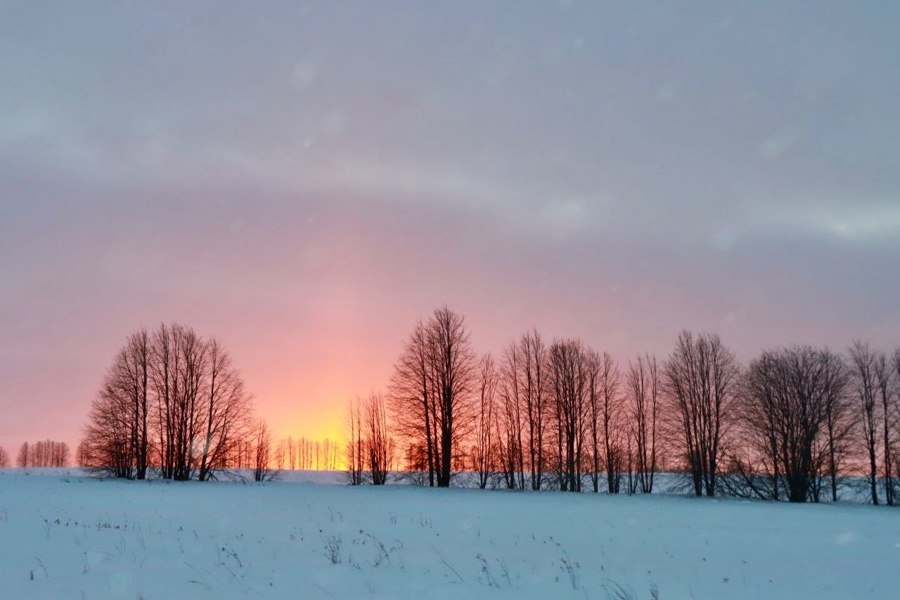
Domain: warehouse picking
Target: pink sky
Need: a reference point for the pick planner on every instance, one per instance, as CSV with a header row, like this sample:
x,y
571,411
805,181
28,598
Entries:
x,y
305,184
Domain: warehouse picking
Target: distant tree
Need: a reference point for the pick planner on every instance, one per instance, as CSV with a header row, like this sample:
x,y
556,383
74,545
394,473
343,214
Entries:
x,y
644,402
432,393
356,445
533,380
22,458
611,415
173,398
412,403
378,444
884,380
568,369
46,453
604,421
511,420
509,417
4,458
895,452
524,394
786,399
483,459
700,378
262,452
292,457
864,364
225,413
839,427
82,458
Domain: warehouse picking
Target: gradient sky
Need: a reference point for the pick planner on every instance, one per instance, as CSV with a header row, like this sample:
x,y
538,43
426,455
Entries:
x,y
306,180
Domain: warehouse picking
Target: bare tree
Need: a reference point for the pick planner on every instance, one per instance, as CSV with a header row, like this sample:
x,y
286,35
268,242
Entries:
x,y
292,457
614,451
356,450
262,451
864,364
644,396
46,453
524,393
4,458
118,437
432,394
786,401
534,384
412,403
699,382
594,421
226,410
483,459
895,414
839,426
884,380
172,397
568,375
604,427
512,395
23,456
378,443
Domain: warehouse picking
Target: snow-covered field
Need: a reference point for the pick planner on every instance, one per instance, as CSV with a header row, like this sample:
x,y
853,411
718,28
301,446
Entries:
x,y
68,536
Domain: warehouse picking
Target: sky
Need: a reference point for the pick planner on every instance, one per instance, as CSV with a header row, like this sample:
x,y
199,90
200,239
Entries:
x,y
305,181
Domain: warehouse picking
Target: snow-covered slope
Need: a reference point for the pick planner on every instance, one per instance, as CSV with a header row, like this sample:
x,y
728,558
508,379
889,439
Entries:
x,y
66,536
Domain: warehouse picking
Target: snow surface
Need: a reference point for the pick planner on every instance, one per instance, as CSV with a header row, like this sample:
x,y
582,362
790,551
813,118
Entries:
x,y
63,535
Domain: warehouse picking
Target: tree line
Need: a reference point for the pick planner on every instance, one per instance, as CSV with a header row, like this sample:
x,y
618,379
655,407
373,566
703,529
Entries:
x,y
308,455
46,453
795,424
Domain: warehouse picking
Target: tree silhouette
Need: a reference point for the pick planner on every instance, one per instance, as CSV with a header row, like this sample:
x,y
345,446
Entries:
x,y
171,398
700,381
432,393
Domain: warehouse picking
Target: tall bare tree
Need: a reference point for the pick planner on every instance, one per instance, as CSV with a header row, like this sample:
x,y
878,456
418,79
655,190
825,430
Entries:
x,y
226,410
4,458
511,437
604,424
786,401
412,403
262,452
864,364
644,404
526,407
884,380
432,394
22,458
700,377
535,394
356,445
172,398
593,418
510,448
568,377
484,448
118,436
895,412
378,443
839,428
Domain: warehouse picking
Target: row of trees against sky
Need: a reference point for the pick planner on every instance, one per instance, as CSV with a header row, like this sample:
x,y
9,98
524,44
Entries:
x,y
46,453
793,424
